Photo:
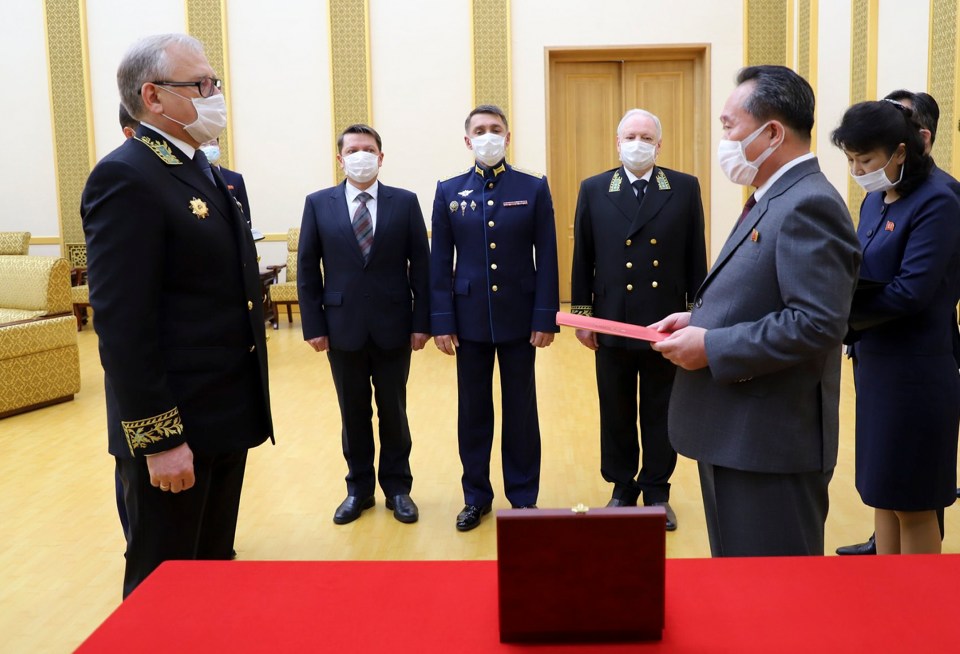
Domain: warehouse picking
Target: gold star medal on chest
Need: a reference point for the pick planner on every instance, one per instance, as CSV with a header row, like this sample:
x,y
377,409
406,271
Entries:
x,y
199,208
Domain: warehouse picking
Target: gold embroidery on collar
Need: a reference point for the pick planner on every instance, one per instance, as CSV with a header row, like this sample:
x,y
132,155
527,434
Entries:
x,y
161,149
615,182
662,182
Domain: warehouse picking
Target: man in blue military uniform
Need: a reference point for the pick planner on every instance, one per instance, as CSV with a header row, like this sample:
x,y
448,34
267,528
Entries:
x,y
499,301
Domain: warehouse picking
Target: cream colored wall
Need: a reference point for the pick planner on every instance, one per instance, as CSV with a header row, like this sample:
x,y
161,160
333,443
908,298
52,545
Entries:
x,y
28,183
422,91
421,66
833,87
538,24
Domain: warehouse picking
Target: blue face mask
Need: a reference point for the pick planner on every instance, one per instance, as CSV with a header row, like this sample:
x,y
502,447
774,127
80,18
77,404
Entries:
x,y
212,152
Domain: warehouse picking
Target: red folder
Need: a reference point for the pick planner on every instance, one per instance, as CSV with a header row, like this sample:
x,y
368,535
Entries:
x,y
613,327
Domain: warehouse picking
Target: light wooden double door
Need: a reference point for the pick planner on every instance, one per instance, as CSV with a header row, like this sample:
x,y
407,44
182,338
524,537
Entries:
x,y
590,90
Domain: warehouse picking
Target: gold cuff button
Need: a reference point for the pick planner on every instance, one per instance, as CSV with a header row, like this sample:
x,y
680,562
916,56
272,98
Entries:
x,y
249,305
655,263
629,287
654,284
653,241
629,242
629,264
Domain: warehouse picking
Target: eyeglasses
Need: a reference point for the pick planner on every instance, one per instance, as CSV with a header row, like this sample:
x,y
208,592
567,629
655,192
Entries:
x,y
206,86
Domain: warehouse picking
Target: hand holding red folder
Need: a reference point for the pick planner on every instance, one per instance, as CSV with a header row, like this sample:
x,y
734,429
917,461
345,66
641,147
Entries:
x,y
610,327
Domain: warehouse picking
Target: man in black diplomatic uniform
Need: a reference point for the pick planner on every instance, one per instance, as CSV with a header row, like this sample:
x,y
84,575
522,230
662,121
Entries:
x,y
638,253
177,298
499,301
926,111
363,285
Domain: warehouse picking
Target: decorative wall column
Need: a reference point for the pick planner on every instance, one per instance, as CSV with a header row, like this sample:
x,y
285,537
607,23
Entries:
x,y
863,74
350,65
491,54
207,21
71,112
942,81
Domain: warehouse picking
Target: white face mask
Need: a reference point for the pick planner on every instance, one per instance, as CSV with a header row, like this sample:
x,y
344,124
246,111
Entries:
x,y
211,116
211,152
877,180
489,148
361,166
637,155
733,160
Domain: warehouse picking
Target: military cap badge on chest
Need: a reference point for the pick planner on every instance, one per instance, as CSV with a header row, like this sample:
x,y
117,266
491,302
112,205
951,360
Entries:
x,y
199,208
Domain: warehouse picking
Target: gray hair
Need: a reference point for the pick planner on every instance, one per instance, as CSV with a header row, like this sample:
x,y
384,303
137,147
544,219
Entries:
x,y
147,60
640,112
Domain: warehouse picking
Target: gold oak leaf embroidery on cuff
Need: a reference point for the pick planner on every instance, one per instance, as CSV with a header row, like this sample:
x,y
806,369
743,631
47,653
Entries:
x,y
582,310
142,433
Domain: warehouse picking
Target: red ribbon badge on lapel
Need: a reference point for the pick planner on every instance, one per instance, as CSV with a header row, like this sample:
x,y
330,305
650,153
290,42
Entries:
x,y
889,226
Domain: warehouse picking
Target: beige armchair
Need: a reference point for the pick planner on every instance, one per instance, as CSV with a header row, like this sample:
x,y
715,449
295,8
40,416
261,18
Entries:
x,y
14,243
285,293
39,359
79,291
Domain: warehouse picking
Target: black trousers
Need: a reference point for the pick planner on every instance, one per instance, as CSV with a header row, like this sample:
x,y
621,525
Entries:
x,y
199,523
632,383
764,514
520,430
353,372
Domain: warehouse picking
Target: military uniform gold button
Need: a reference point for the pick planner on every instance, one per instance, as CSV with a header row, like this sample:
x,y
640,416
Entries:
x,y
489,203
654,284
493,266
494,288
629,264
493,246
655,263
249,305
653,241
490,224
490,185
629,287
629,242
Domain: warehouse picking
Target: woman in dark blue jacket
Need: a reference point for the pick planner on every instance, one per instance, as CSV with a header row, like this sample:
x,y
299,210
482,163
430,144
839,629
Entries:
x,y
903,328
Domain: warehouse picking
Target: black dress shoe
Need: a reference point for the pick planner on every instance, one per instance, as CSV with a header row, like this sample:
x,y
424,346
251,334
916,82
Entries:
x,y
524,506
470,517
870,547
404,509
616,502
351,508
671,516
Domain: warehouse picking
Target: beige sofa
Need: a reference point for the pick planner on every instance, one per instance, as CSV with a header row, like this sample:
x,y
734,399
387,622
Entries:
x,y
39,359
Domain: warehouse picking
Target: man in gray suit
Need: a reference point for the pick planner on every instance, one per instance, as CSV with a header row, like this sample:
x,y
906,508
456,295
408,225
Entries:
x,y
756,401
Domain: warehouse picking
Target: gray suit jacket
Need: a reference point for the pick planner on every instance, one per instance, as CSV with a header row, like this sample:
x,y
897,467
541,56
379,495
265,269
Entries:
x,y
775,305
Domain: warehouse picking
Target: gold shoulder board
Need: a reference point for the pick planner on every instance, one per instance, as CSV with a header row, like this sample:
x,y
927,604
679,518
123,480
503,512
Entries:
x,y
457,174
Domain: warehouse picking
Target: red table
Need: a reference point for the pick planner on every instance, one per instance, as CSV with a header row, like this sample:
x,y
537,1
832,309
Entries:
x,y
809,605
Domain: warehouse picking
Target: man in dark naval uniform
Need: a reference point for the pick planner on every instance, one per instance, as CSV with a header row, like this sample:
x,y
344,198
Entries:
x,y
178,309
499,300
638,253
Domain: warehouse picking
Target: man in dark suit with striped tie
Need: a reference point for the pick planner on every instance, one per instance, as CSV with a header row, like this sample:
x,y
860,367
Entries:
x,y
363,283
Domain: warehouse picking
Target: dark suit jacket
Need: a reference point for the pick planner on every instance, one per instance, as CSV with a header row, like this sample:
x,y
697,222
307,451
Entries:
x,y
664,263
177,304
238,190
775,306
505,282
386,298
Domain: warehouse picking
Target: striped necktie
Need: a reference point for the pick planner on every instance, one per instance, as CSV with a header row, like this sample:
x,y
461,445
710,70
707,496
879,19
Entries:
x,y
363,225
